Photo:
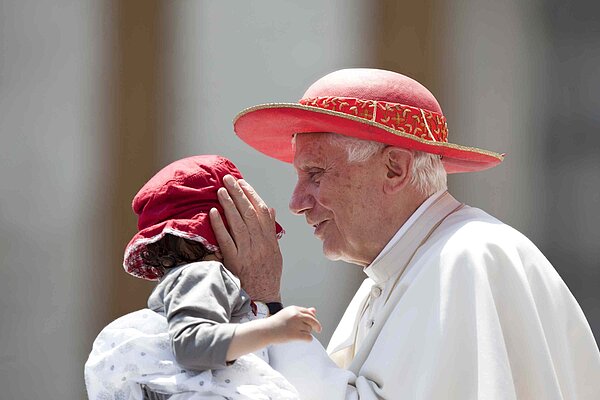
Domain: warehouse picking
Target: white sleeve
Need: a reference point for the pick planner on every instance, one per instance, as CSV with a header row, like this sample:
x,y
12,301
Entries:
x,y
307,366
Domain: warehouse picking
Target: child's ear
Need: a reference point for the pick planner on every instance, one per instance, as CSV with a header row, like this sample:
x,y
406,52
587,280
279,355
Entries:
x,y
398,163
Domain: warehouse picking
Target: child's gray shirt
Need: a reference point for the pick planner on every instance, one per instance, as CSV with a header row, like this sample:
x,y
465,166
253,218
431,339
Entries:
x,y
202,302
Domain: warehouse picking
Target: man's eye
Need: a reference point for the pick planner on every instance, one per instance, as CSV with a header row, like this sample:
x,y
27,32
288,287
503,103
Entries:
x,y
315,175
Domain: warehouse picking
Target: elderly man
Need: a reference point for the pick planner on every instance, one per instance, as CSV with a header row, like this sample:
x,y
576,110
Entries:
x,y
456,304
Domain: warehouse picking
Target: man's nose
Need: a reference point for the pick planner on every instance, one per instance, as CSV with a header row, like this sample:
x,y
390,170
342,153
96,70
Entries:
x,y
300,201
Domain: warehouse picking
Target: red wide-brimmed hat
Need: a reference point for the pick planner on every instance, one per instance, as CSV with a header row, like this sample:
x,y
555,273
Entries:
x,y
369,104
177,201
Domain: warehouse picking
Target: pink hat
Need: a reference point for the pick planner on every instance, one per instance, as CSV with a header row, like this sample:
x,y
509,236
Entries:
x,y
177,201
369,104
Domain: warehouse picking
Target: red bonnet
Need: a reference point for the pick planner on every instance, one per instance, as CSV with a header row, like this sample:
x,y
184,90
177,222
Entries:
x,y
177,200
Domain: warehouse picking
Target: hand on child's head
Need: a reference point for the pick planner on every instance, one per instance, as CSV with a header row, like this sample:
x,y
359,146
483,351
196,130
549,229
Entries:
x,y
249,247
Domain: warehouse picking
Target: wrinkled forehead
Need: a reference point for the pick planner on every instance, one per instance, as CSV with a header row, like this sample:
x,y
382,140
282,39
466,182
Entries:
x,y
310,148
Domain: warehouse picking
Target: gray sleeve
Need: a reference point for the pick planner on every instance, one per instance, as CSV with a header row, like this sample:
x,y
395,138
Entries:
x,y
199,300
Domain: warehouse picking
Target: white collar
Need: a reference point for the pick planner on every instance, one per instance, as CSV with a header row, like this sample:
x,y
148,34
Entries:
x,y
409,222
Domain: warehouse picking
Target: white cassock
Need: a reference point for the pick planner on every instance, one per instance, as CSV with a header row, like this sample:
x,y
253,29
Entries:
x,y
458,306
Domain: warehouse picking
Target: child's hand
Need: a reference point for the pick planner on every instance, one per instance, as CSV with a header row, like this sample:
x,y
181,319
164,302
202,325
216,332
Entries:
x,y
294,323
291,323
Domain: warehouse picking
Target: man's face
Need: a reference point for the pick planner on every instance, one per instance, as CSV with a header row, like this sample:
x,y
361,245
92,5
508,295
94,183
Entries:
x,y
337,198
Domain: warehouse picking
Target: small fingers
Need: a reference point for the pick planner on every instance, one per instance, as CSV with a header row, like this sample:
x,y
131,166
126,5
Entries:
x,y
306,310
315,325
310,319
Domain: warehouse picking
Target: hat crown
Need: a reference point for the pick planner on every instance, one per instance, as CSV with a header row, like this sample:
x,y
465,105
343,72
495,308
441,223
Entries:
x,y
182,189
374,84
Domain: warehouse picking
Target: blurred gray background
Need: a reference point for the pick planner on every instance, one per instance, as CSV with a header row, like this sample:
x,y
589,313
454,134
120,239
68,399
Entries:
x,y
96,96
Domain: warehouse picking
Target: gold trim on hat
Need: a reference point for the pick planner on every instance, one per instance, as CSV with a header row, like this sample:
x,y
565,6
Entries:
x,y
368,122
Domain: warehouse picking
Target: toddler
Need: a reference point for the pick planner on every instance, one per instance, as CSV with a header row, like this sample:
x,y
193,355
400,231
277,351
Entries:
x,y
190,343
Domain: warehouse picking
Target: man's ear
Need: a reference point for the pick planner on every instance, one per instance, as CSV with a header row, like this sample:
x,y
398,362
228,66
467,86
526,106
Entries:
x,y
398,162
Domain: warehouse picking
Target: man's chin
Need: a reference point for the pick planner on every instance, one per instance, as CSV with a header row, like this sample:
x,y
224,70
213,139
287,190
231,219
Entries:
x,y
332,254
332,257
336,255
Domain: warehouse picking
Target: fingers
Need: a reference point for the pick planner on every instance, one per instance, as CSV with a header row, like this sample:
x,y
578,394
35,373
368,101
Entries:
x,y
239,231
296,323
313,323
240,196
226,243
250,206
265,215
244,206
309,319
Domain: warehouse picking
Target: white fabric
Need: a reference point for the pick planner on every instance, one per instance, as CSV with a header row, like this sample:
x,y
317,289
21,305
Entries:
x,y
476,312
384,275
135,350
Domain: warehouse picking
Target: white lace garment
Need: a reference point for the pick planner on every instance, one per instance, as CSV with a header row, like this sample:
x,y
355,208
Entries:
x,y
134,350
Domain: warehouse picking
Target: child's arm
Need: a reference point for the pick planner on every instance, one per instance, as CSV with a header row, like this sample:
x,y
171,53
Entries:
x,y
291,323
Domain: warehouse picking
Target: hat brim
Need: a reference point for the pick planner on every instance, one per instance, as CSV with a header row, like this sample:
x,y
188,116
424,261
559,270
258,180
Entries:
x,y
197,229
269,128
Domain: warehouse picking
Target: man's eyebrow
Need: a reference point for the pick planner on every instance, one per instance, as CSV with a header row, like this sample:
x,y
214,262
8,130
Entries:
x,y
310,164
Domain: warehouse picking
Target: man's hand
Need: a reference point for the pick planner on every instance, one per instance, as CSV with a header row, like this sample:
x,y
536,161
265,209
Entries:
x,y
293,323
250,250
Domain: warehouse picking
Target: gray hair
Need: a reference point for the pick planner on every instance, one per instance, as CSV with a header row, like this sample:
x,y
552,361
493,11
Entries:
x,y
428,173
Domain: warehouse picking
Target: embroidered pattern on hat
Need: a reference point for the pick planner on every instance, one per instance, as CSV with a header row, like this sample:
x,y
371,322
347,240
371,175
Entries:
x,y
425,124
